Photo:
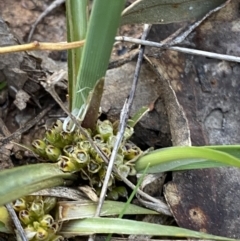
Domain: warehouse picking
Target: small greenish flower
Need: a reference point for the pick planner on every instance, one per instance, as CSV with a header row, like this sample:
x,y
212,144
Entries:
x,y
81,157
84,145
128,132
25,217
46,221
19,204
98,139
98,159
93,167
111,141
67,164
41,234
39,147
57,126
68,150
66,138
131,151
118,160
123,170
106,151
36,209
52,152
78,136
105,129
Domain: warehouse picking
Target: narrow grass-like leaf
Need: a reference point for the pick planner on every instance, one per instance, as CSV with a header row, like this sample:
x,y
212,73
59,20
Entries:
x,y
20,181
138,116
77,18
85,209
103,24
182,158
233,150
167,11
122,226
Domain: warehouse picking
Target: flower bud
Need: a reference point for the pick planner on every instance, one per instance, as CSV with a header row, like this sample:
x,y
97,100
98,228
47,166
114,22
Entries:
x,y
49,203
122,191
112,195
52,136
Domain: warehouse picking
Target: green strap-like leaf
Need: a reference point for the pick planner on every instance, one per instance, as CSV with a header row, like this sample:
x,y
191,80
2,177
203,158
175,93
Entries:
x,y
77,18
102,28
167,11
182,158
84,209
123,226
20,181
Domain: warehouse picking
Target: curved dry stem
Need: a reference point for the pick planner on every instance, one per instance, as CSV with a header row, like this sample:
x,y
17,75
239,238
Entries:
x,y
41,46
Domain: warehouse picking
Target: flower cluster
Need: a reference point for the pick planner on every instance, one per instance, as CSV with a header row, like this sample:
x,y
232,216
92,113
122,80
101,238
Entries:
x,y
38,224
74,153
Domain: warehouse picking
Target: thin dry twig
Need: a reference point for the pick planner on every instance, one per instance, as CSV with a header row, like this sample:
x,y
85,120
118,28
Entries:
x,y
41,46
123,120
16,222
51,7
124,59
179,36
181,49
10,137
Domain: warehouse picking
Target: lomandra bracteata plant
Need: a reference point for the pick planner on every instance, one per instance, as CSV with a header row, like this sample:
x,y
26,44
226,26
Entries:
x,y
73,153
